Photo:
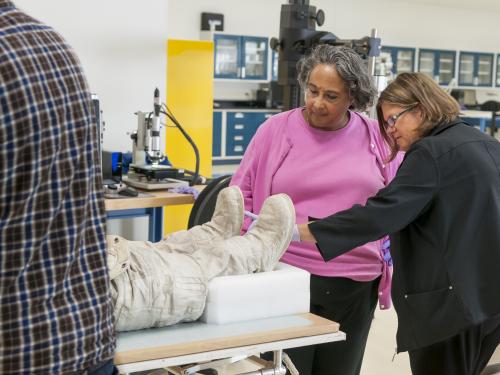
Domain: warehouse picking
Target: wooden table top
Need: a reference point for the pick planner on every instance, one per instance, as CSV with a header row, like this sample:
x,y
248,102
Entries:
x,y
177,340
154,198
476,114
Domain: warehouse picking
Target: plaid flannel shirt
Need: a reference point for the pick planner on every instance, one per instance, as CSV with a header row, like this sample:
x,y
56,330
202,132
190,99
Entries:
x,y
55,305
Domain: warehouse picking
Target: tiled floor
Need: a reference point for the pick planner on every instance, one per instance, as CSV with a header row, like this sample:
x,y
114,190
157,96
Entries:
x,y
381,347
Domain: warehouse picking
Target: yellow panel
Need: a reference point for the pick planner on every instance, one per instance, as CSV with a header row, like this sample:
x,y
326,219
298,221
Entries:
x,y
190,70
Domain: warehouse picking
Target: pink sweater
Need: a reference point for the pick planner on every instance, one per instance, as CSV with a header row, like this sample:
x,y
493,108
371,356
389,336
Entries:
x,y
323,172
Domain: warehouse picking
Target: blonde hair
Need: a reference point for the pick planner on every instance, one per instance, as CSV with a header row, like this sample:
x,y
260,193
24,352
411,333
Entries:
x,y
420,91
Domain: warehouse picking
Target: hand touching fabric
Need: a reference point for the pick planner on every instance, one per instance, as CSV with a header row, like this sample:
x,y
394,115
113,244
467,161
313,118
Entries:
x,y
296,234
252,216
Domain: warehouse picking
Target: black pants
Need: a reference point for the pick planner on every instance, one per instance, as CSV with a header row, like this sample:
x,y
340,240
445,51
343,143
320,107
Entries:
x,y
464,354
350,303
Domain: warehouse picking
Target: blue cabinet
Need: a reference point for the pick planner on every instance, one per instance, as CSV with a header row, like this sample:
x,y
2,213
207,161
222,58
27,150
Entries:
x,y
240,57
236,130
475,69
403,59
217,135
227,56
438,64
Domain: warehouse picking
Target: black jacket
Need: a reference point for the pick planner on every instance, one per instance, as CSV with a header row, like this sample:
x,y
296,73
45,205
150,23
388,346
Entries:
x,y
442,211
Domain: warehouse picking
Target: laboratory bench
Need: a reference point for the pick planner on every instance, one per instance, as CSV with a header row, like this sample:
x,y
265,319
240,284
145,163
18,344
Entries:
x,y
147,203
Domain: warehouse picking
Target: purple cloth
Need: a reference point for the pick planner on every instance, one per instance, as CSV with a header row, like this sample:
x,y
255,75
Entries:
x,y
185,190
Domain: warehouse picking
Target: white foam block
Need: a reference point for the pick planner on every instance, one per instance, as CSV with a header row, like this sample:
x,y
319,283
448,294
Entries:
x,y
283,291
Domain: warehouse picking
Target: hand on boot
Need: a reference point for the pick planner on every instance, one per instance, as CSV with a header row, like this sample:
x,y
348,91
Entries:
x,y
253,217
296,233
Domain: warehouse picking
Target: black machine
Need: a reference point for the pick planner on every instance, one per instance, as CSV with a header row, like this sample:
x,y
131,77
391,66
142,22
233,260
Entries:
x,y
298,36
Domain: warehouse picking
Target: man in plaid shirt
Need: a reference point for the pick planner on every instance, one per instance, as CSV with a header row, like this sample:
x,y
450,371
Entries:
x,y
55,307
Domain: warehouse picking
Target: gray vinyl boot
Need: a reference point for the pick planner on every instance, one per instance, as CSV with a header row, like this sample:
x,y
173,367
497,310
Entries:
x,y
262,246
226,222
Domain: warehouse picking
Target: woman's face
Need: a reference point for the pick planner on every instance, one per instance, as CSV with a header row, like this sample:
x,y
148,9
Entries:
x,y
406,123
327,99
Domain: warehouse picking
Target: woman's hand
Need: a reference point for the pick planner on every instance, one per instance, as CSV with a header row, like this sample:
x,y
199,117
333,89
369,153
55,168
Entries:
x,y
252,216
304,233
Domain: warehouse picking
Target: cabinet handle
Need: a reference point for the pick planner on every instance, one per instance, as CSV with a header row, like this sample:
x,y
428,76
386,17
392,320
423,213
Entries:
x,y
239,115
238,148
238,137
239,126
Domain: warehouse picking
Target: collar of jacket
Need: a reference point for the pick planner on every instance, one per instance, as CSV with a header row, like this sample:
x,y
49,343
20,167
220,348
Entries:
x,y
442,127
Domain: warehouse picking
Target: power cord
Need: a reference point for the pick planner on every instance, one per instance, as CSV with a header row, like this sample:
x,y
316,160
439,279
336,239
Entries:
x,y
196,174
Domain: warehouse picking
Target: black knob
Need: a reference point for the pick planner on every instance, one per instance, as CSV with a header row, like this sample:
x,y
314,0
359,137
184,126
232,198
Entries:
x,y
275,44
320,17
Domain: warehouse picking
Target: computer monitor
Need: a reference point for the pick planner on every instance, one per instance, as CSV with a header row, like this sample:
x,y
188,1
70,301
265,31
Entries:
x,y
111,162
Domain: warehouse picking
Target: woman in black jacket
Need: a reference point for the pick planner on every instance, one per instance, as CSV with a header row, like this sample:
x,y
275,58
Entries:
x,y
442,212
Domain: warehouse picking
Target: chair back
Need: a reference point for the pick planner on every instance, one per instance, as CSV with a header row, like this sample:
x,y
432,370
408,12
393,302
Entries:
x,y
490,105
204,205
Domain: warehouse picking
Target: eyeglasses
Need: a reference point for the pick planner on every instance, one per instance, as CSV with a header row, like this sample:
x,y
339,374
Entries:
x,y
391,121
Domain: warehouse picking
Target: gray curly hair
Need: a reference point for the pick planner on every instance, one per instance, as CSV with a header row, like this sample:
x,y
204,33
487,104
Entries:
x,y
350,67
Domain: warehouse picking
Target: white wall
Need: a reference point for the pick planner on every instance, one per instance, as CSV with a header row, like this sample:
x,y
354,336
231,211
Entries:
x,y
413,23
416,24
122,47
244,17
453,24
121,43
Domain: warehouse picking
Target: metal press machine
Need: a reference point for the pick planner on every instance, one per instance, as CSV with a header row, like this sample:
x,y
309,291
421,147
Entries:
x,y
147,171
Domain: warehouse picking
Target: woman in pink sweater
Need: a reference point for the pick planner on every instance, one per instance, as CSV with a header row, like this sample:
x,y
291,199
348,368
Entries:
x,y
327,157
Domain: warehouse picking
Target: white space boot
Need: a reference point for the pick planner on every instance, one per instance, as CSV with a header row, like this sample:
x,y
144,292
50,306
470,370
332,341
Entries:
x,y
262,246
226,222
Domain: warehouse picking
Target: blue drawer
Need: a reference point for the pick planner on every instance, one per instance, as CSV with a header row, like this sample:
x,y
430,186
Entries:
x,y
217,134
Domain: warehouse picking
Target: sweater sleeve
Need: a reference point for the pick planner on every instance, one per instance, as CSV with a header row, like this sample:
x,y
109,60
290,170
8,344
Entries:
x,y
245,175
393,208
